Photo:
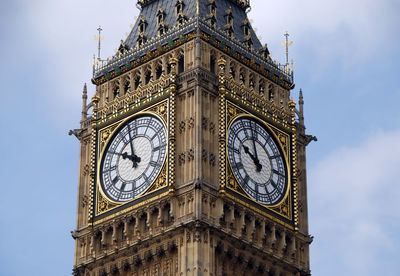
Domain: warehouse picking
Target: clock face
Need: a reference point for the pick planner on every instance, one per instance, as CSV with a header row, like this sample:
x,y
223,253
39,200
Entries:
x,y
257,161
133,158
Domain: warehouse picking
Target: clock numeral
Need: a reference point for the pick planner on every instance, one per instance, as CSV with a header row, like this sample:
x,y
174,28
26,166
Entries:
x,y
235,150
115,180
273,184
123,138
123,186
159,147
110,169
257,193
246,179
154,164
267,194
277,172
239,165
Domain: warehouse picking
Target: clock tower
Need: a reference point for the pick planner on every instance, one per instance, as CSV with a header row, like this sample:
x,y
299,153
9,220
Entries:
x,y
192,152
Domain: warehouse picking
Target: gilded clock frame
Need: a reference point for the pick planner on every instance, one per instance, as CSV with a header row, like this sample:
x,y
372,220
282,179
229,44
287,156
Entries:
x,y
104,208
280,149
282,212
102,146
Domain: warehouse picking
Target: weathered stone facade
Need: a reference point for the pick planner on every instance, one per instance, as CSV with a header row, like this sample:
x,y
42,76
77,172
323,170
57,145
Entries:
x,y
189,225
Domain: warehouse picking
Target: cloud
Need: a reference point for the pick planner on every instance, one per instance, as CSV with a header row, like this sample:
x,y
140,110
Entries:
x,y
324,32
54,40
354,195
345,31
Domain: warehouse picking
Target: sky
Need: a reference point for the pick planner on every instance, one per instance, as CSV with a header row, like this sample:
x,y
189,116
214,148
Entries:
x,y
346,55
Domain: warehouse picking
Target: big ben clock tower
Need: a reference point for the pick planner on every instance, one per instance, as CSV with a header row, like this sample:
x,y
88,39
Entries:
x,y
192,152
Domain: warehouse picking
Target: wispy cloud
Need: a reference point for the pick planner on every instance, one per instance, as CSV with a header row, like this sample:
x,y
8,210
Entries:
x,y
345,31
60,35
354,194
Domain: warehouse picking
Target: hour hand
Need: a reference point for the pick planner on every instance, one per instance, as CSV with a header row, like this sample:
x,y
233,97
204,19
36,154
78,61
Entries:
x,y
255,159
135,159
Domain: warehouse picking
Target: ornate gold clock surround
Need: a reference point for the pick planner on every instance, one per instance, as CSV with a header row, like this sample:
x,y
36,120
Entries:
x,y
283,212
163,108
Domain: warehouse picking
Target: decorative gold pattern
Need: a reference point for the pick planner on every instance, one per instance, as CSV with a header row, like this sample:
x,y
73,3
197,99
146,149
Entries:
x,y
92,161
275,77
103,205
248,97
285,140
161,181
147,94
222,126
105,135
163,111
292,106
172,127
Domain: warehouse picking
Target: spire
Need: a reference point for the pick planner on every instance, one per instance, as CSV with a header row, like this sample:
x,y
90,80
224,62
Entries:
x,y
301,105
84,102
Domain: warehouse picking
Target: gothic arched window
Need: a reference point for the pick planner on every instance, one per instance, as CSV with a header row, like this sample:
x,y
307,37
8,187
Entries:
x,y
271,92
181,64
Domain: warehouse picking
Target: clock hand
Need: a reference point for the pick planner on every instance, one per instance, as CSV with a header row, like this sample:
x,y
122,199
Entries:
x,y
255,160
136,159
254,143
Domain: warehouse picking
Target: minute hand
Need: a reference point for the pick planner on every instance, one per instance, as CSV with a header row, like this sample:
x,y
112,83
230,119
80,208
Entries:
x,y
255,159
135,159
254,143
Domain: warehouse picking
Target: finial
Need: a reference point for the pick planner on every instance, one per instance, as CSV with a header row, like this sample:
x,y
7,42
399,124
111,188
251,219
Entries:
x,y
221,63
292,66
292,107
173,61
287,43
99,38
301,107
84,102
84,90
292,104
95,99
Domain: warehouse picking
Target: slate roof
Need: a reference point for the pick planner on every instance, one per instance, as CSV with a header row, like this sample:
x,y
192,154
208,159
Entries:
x,y
149,9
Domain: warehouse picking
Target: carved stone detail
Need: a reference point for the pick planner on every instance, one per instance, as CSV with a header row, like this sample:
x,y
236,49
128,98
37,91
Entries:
x,y
190,155
190,123
212,159
182,127
181,158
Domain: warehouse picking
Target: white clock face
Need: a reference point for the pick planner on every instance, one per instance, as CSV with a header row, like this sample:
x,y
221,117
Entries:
x,y
257,161
133,158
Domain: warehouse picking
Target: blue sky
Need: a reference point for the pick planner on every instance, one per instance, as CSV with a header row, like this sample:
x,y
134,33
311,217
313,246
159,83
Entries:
x,y
346,61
